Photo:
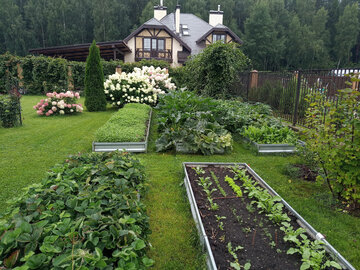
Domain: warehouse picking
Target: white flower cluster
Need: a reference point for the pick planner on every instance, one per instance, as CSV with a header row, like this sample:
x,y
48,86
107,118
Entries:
x,y
159,78
135,87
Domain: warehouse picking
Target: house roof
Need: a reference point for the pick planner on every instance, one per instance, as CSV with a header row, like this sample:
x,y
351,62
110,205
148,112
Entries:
x,y
222,28
154,23
198,30
79,52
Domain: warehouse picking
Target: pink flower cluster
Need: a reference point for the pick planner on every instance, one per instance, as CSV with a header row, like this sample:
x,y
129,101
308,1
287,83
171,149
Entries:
x,y
59,103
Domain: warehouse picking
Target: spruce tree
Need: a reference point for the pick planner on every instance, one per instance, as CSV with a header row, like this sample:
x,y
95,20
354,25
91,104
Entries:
x,y
94,81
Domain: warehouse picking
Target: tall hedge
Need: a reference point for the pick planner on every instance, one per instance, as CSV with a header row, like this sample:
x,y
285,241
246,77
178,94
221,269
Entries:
x,y
94,81
42,74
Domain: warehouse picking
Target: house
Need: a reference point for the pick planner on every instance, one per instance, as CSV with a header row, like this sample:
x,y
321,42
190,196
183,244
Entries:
x,y
170,37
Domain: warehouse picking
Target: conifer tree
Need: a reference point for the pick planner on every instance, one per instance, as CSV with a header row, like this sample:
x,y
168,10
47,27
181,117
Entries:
x,y
94,81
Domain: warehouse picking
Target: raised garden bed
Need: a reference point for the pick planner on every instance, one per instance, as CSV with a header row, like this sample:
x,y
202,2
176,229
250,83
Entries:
x,y
237,229
274,148
115,141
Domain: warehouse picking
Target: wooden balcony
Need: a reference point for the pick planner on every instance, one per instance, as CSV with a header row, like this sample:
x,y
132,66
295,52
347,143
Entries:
x,y
165,55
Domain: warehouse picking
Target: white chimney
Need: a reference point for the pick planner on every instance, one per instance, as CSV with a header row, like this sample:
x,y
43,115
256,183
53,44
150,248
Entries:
x,y
160,11
177,19
216,17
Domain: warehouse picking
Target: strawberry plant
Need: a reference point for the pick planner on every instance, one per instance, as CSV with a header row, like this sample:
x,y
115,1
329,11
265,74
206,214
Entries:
x,y
85,214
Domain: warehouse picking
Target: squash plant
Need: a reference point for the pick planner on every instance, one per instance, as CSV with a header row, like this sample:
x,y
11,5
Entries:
x,y
84,215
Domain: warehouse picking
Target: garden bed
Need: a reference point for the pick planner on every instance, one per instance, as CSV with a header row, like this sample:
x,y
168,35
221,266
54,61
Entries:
x,y
126,122
254,236
274,148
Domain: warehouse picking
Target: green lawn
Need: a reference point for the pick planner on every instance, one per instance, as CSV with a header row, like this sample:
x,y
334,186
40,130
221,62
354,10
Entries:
x,y
27,152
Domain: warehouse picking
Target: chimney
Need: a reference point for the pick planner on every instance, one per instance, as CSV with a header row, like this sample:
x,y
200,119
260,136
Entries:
x,y
177,19
160,11
216,17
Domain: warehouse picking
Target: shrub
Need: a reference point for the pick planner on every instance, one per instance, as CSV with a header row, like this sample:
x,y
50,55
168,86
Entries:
x,y
335,139
159,78
59,103
85,214
9,111
94,81
178,75
213,71
126,125
130,87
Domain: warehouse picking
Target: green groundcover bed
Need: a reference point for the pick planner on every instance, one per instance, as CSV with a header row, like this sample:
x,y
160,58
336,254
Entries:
x,y
127,125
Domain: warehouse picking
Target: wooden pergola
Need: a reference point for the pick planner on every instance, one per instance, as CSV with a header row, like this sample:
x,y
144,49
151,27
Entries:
x,y
79,52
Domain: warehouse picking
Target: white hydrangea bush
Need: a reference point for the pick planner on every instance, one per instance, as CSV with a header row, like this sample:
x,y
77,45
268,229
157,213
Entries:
x,y
134,87
159,78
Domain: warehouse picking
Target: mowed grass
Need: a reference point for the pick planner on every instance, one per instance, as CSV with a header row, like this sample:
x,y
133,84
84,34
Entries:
x,y
27,152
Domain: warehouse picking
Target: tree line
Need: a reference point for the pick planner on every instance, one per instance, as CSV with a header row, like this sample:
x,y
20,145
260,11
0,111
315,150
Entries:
x,y
277,34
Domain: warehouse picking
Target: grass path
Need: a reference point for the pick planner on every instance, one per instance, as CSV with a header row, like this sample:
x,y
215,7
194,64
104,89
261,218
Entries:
x,y
27,152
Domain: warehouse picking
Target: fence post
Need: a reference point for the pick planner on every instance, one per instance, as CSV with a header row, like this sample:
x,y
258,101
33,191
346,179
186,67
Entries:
x,y
298,89
253,81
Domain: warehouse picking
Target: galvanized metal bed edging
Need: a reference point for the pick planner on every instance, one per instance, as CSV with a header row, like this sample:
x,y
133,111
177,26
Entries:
x,y
312,232
274,148
135,147
210,261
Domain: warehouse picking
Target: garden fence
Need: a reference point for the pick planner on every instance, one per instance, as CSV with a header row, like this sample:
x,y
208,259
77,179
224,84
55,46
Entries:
x,y
285,91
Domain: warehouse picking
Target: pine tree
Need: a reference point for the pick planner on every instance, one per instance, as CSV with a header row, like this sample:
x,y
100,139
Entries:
x,y
94,81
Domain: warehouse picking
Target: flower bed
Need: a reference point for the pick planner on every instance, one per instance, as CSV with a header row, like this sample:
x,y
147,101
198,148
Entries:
x,y
84,215
59,103
128,129
245,224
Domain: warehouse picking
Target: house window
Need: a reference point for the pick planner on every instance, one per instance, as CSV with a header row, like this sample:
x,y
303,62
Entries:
x,y
154,44
161,45
147,44
217,37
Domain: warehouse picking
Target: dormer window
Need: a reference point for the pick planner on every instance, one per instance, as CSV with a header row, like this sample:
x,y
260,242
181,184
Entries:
x,y
217,37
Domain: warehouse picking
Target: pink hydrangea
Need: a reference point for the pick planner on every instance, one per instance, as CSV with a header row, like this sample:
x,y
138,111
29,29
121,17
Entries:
x,y
65,102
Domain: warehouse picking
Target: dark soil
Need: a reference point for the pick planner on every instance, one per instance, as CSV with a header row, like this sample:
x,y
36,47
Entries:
x,y
262,240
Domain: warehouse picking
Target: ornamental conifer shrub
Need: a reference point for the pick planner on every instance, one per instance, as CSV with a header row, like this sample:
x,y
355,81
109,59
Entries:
x,y
94,81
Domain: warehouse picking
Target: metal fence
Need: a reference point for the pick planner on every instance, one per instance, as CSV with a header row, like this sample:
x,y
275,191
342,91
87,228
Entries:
x,y
285,92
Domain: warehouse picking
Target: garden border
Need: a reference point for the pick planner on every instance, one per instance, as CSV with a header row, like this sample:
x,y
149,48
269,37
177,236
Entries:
x,y
301,221
274,148
134,147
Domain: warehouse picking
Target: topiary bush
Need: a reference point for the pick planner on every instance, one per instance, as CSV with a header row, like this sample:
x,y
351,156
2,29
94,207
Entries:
x,y
213,71
94,81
